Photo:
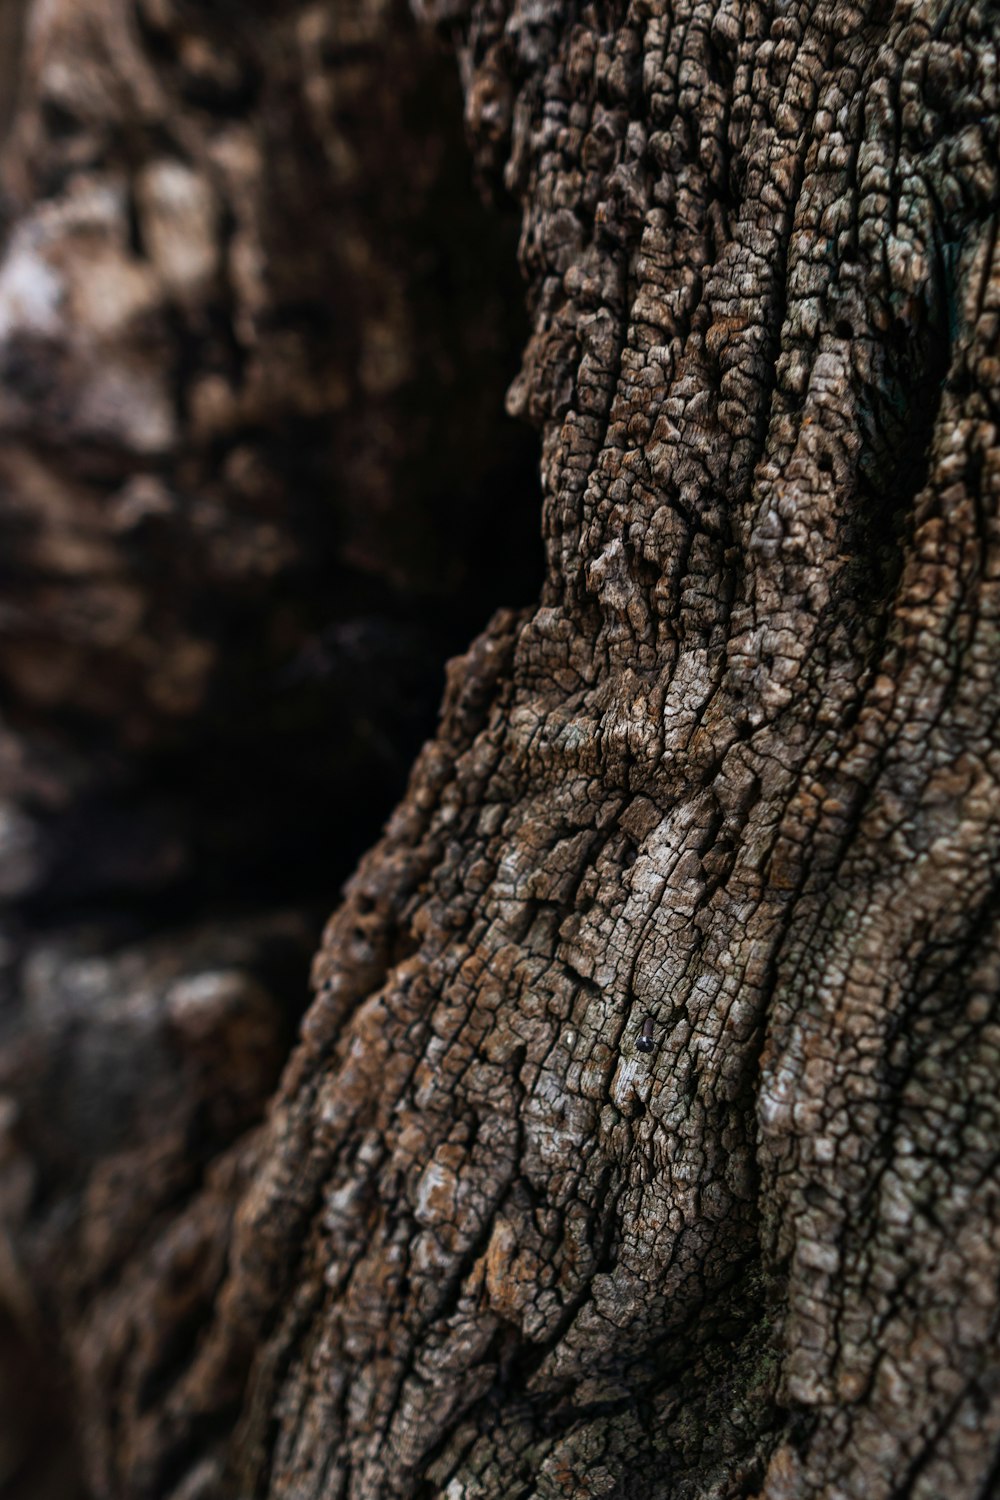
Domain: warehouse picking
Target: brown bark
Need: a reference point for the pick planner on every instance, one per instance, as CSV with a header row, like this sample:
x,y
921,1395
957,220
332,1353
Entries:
x,y
738,771
247,410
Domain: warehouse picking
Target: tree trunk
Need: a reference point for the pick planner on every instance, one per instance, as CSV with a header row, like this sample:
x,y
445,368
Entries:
x,y
738,773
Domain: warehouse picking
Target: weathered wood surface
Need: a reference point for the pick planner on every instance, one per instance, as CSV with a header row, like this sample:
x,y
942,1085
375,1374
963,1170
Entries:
x,y
251,435
738,771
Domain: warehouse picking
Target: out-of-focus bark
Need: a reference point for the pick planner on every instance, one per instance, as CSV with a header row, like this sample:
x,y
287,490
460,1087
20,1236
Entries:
x,y
248,392
12,13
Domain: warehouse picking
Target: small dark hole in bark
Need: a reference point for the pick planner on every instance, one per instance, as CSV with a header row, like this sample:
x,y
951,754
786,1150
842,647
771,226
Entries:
x,y
156,40
136,239
60,123
962,383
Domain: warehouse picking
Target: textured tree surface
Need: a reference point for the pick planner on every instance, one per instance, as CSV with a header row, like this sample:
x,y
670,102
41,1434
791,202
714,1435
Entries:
x,y
249,403
738,771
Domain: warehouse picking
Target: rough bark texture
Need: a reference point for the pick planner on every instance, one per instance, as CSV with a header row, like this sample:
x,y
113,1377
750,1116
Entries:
x,y
248,412
738,771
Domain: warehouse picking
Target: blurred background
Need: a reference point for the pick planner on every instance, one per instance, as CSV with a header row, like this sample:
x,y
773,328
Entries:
x,y
256,485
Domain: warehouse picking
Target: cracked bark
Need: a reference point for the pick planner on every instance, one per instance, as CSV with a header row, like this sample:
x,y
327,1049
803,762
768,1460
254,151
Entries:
x,y
738,771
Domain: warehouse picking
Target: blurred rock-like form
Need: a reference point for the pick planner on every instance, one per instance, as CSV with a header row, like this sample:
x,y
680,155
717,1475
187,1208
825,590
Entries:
x,y
254,335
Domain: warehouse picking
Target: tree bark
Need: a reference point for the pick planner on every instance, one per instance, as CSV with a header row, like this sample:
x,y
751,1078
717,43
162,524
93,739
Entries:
x,y
738,771
236,547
